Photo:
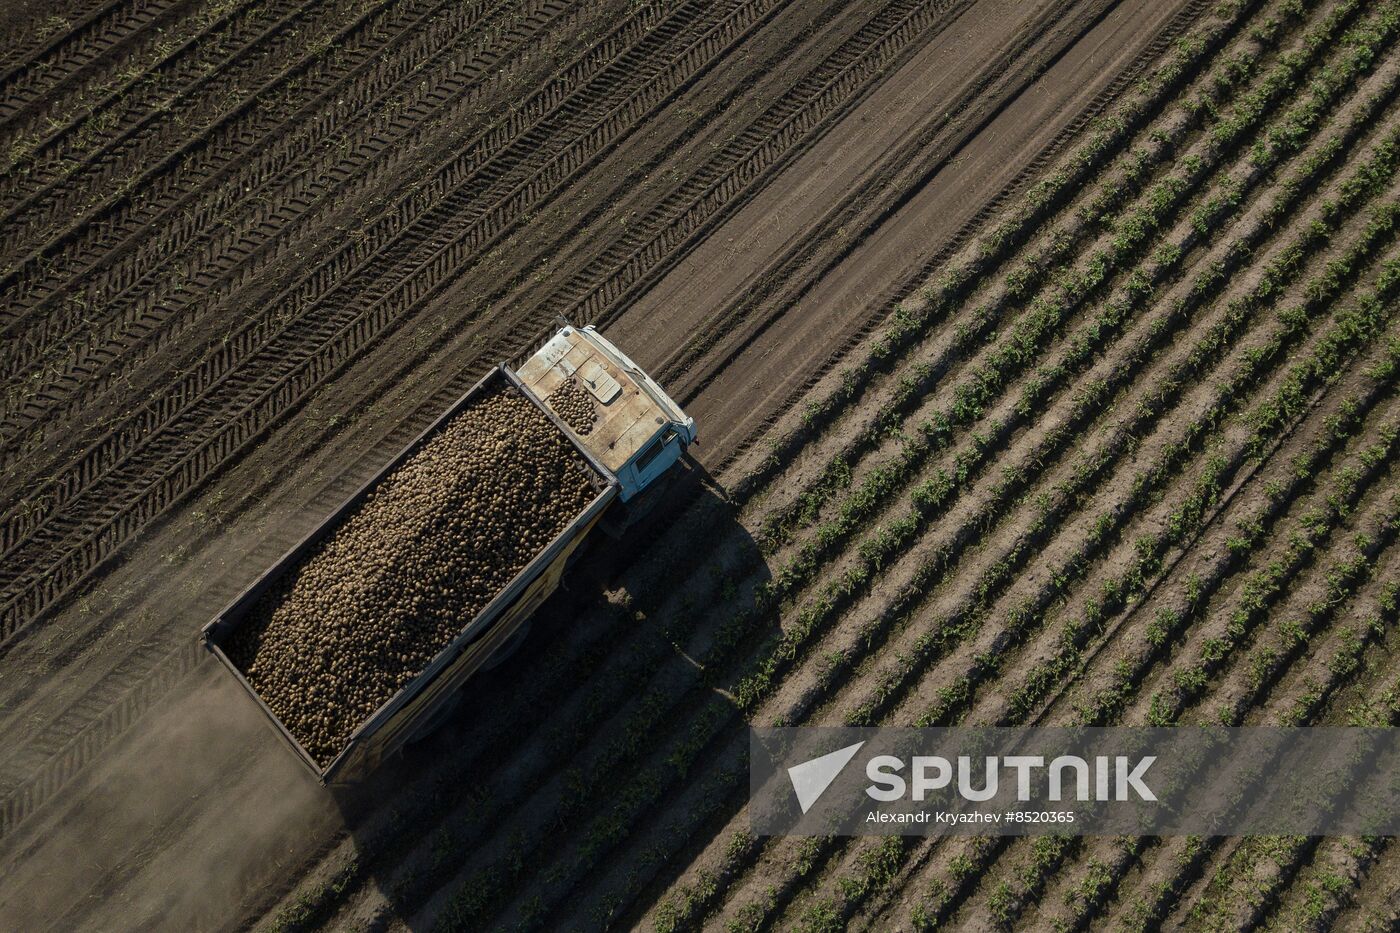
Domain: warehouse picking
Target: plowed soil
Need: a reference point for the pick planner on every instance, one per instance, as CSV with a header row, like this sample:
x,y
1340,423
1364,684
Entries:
x,y
1043,356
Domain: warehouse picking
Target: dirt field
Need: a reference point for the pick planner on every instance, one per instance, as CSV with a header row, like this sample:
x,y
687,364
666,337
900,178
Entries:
x,y
1044,359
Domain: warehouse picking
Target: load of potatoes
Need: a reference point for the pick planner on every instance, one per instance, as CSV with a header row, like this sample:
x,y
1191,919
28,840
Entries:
x,y
574,406
427,550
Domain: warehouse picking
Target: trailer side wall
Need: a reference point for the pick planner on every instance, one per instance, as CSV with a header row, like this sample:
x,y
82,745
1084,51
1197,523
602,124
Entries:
x,y
390,726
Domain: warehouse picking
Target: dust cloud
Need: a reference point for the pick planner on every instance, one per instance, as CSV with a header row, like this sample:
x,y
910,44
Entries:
x,y
192,818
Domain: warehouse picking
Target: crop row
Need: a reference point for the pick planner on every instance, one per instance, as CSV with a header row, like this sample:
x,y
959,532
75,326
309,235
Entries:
x,y
934,492
956,667
707,661
1017,893
1056,266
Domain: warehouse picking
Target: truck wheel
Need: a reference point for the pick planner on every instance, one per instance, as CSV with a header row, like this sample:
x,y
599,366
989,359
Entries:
x,y
435,722
511,645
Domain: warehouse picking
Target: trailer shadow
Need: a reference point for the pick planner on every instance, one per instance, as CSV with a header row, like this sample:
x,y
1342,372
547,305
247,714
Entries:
x,y
582,753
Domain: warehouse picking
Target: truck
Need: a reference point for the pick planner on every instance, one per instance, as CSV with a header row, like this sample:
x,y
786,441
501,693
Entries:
x,y
639,435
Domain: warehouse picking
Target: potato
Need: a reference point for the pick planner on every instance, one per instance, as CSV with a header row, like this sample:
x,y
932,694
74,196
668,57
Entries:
x,y
574,406
402,575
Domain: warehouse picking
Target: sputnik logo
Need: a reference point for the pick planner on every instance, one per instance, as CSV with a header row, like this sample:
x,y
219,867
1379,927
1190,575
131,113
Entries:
x,y
811,778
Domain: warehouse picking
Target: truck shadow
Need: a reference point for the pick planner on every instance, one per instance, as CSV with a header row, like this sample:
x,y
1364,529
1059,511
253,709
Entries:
x,y
581,757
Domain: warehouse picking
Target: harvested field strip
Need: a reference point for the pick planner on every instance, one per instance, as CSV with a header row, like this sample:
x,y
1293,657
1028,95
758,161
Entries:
x,y
77,350
790,279
839,242
407,225
35,516
66,761
652,244
294,92
58,752
199,52
64,50
376,294
148,318
29,39
819,98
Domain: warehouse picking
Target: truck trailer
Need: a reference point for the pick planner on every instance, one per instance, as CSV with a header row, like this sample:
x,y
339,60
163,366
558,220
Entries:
x,y
636,435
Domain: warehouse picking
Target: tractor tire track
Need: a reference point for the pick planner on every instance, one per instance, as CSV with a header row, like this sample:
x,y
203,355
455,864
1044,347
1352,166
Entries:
x,y
417,261
217,239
